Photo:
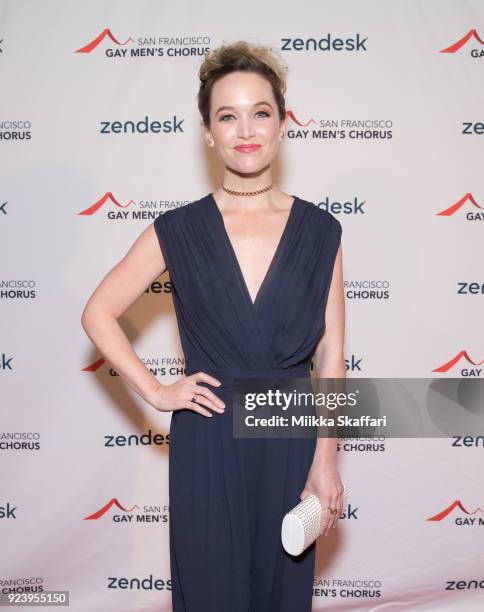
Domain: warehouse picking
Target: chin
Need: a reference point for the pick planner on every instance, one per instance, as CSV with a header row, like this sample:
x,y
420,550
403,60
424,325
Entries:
x,y
250,165
250,168
240,166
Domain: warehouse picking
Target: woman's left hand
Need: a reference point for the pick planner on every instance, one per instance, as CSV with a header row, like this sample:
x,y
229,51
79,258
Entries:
x,y
324,481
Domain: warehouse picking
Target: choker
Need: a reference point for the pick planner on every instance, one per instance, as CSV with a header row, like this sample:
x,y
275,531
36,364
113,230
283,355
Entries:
x,y
247,193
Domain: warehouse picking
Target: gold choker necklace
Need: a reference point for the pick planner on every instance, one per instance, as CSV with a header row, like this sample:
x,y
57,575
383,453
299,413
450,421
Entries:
x,y
247,193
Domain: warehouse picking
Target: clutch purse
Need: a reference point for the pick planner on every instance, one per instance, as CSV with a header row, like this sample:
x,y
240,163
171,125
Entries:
x,y
301,525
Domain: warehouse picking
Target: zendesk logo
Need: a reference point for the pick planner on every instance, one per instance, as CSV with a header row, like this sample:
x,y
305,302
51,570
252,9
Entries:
x,y
144,126
5,362
326,43
7,511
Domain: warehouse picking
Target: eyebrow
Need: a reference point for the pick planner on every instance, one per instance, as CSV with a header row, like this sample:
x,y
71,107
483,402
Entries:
x,y
232,108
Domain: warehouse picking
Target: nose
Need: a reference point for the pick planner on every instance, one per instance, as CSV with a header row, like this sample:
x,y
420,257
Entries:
x,y
245,128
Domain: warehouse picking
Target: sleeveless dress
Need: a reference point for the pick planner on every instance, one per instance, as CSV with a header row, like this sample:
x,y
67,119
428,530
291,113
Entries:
x,y
228,495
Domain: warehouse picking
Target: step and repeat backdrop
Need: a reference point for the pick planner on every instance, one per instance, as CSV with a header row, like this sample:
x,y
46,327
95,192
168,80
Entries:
x,y
100,134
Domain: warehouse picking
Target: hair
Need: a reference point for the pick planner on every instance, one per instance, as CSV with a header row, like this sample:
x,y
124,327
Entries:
x,y
246,57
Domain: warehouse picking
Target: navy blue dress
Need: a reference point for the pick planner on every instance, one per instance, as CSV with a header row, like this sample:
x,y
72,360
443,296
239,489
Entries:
x,y
228,495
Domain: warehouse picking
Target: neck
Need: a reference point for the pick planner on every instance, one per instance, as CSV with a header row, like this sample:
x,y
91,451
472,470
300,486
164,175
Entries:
x,y
253,181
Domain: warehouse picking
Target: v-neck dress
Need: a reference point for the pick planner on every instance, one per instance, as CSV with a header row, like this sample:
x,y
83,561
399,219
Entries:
x,y
228,495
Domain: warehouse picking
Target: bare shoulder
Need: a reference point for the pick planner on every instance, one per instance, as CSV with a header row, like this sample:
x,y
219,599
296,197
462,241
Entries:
x,y
129,278
145,251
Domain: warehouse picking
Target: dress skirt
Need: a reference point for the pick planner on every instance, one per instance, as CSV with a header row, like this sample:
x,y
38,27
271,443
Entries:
x,y
228,496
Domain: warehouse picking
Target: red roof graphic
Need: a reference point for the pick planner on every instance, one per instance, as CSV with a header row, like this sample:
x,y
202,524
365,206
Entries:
x,y
451,363
456,504
105,508
455,207
94,366
290,114
96,41
97,205
461,42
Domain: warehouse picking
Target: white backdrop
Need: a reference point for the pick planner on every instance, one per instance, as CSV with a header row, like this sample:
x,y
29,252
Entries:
x,y
83,493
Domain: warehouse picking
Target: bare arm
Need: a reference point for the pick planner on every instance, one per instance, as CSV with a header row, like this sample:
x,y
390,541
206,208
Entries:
x,y
323,477
328,356
114,295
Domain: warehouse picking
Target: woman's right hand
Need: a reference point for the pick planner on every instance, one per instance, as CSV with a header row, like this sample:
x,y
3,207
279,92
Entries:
x,y
178,396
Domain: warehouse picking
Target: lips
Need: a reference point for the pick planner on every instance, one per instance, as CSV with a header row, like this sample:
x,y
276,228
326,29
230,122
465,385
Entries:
x,y
247,148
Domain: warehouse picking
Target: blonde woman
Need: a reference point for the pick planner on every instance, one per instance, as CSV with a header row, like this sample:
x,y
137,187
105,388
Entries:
x,y
258,291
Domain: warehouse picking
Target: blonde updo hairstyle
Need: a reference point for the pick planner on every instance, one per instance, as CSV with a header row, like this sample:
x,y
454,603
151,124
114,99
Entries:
x,y
246,57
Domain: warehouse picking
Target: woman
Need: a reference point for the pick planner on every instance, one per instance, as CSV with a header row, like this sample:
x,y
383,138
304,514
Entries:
x,y
257,279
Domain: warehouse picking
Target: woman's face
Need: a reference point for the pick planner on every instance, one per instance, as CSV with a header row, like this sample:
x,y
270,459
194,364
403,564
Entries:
x,y
244,112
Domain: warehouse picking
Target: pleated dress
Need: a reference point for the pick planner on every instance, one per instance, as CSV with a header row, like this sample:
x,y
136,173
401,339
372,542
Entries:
x,y
228,495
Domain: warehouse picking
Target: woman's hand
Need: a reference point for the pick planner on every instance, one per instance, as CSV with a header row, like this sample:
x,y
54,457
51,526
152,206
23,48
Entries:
x,y
324,481
179,395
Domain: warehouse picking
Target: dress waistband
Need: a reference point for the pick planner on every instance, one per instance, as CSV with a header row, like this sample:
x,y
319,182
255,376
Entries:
x,y
299,371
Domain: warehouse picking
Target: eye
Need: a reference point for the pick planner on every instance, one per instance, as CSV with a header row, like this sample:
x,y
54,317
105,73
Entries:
x,y
223,117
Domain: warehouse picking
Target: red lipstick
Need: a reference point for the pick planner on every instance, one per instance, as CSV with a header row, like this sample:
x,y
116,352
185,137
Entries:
x,y
247,148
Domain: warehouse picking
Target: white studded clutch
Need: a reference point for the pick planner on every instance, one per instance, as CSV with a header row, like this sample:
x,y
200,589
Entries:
x,y
301,525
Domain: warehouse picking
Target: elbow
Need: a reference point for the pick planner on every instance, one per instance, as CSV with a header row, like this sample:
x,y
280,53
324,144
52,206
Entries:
x,y
94,317
87,318
329,361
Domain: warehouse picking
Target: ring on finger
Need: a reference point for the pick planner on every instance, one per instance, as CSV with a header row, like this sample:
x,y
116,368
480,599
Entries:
x,y
194,398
